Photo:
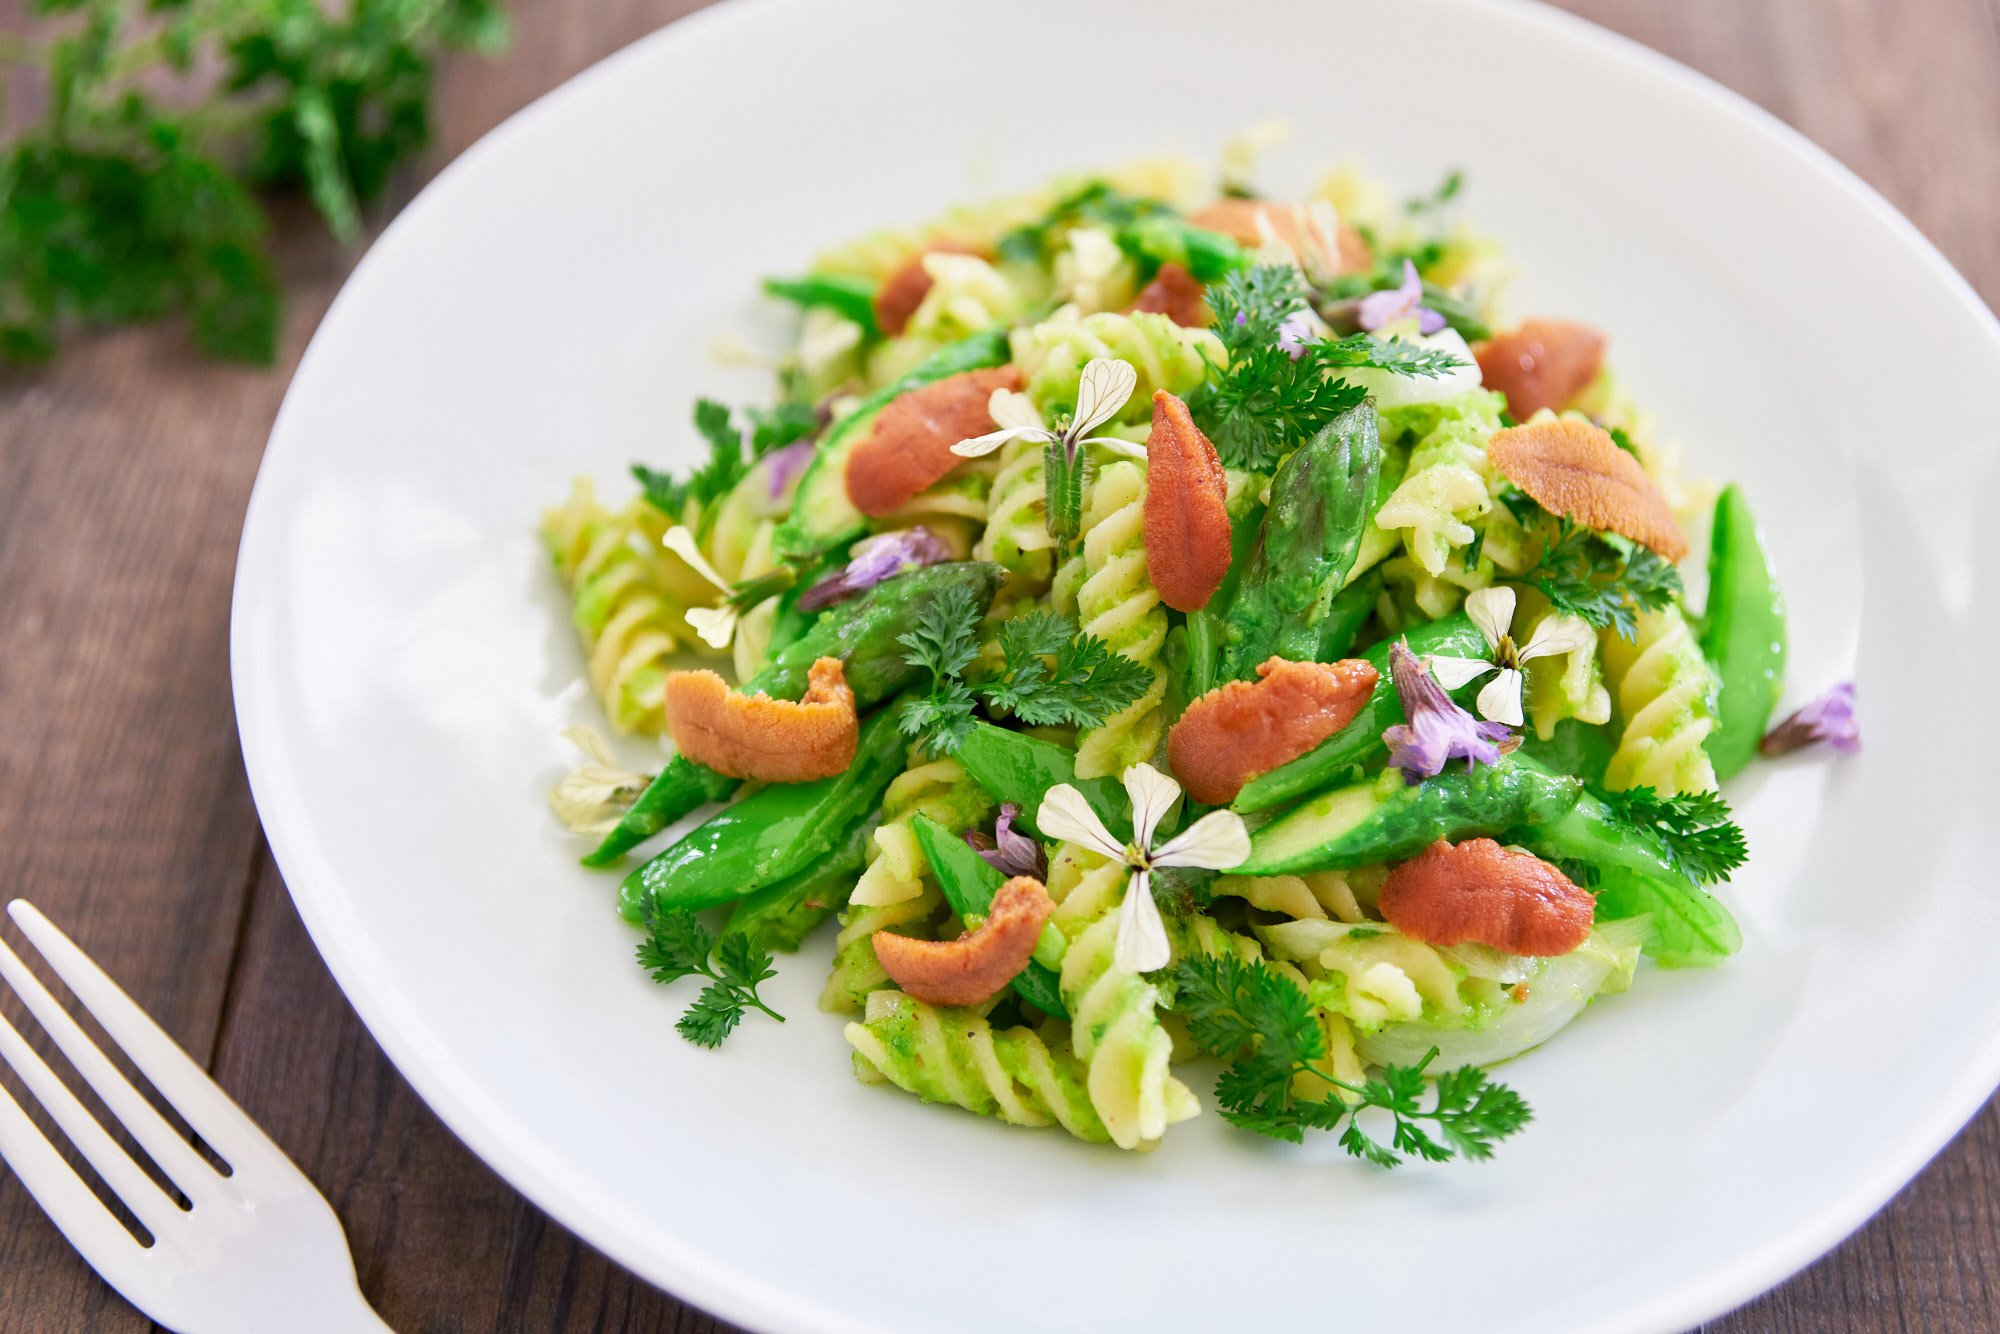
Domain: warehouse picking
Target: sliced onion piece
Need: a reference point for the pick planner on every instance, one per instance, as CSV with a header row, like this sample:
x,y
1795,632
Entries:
x,y
1557,992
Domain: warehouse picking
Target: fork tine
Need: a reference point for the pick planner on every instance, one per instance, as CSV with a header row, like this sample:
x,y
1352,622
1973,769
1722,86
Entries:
x,y
138,1191
176,1157
97,1235
186,1086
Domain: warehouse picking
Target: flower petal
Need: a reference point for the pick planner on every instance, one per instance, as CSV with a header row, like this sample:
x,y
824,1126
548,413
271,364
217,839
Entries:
x,y
1216,842
1010,408
1105,386
1557,634
681,542
1830,719
1122,448
715,625
1455,672
1064,814
1500,699
980,445
1153,794
1142,933
1492,610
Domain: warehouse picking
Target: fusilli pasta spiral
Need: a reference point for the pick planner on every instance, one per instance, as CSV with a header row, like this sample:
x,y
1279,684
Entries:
x,y
1665,692
896,890
1117,603
621,602
1051,356
1117,1030
956,1056
1017,532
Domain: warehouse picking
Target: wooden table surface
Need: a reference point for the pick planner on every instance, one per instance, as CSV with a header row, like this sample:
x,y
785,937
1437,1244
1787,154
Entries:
x,y
124,471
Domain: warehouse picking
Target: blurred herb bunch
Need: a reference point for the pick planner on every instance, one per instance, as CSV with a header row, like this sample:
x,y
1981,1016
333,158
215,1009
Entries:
x,y
131,198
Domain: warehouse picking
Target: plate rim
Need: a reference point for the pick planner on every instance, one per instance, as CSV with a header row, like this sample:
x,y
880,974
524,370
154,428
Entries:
x,y
741,1295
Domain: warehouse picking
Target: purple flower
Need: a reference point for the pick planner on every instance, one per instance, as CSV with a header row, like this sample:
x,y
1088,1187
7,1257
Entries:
x,y
786,464
1393,304
1438,729
1296,333
879,558
1830,718
1006,851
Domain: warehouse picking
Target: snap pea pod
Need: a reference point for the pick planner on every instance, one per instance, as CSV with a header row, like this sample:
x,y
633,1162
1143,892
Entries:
x,y
780,916
1386,819
791,622
1322,497
1013,766
1205,627
1206,255
773,833
969,885
822,516
1690,927
863,634
847,296
1360,742
1743,634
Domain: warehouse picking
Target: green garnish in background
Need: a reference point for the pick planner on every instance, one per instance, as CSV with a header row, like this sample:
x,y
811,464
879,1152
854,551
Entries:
x,y
131,198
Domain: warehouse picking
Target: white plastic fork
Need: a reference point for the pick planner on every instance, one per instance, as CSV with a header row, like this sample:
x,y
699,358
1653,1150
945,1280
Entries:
x,y
259,1250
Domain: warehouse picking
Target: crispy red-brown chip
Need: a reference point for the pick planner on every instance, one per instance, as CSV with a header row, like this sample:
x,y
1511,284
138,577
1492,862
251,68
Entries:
x,y
908,448
1176,294
973,968
1573,468
1542,364
1236,218
755,736
905,289
1480,892
1187,511
1246,728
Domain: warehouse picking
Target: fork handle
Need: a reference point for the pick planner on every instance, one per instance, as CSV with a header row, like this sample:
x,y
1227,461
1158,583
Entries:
x,y
356,1317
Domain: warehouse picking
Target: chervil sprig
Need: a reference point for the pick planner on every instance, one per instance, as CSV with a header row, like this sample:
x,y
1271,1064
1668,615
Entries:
x,y
1694,828
1604,579
677,945
1281,383
1086,684
731,451
944,642
130,198
1264,1024
1050,673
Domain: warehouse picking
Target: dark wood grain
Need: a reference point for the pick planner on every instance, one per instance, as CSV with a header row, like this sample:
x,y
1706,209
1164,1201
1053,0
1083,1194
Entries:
x,y
123,808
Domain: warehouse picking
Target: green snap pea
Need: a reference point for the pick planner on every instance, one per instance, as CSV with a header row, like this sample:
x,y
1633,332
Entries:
x,y
1013,766
1206,255
1385,819
780,916
771,834
1690,927
969,884
864,634
1360,742
846,296
1743,634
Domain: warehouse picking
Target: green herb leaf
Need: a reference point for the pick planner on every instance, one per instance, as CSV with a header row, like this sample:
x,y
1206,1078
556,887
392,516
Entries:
x,y
1603,578
944,642
1087,684
1264,1024
1695,829
678,945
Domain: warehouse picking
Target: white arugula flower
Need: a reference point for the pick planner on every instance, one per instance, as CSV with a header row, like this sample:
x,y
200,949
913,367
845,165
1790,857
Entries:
x,y
715,625
1492,610
1215,842
1105,386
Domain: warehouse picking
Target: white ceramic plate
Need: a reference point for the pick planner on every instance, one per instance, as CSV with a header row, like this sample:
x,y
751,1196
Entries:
x,y
403,666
